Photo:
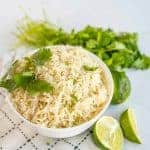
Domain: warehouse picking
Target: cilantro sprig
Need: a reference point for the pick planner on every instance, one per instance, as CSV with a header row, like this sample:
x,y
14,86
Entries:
x,y
25,77
42,56
88,68
9,84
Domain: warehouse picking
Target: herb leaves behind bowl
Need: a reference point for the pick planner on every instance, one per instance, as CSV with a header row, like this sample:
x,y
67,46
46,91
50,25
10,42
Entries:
x,y
118,50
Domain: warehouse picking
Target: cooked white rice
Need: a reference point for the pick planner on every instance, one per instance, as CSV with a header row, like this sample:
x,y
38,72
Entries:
x,y
78,94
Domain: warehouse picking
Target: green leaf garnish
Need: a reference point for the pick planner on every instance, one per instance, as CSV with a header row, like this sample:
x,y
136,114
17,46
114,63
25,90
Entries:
x,y
39,86
116,46
74,97
41,56
29,66
27,81
91,44
142,62
74,81
8,84
25,77
88,68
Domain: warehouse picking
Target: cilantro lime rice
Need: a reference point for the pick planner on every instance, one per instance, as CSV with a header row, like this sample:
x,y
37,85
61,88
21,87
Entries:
x,y
79,90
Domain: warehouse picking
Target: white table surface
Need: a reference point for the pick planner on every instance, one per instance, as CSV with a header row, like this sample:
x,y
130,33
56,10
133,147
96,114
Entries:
x,y
129,15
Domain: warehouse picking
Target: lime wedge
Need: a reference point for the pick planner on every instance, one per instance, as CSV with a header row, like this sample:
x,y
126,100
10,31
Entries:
x,y
107,134
129,126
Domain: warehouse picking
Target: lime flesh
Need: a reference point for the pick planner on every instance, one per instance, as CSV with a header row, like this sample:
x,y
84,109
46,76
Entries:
x,y
107,134
129,126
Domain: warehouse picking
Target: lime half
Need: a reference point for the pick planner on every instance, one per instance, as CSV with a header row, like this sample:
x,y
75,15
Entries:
x,y
129,126
107,134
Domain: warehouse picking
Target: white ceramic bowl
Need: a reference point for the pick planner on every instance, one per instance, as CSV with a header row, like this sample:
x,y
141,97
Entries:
x,y
71,131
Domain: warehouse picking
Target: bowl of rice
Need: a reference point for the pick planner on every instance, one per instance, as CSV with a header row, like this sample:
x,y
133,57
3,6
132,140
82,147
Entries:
x,y
77,89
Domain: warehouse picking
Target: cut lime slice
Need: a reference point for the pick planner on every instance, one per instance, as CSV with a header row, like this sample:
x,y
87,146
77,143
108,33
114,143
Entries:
x,y
129,126
107,134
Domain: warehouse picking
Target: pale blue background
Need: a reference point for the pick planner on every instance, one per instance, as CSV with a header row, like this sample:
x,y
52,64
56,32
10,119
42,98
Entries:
x,y
129,15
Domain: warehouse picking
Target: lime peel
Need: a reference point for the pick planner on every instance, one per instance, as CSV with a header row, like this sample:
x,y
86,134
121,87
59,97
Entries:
x,y
129,126
107,134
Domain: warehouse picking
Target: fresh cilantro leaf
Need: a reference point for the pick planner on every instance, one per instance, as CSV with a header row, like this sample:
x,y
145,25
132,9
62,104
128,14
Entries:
x,y
116,46
119,60
23,79
29,65
28,81
74,81
142,62
129,39
39,86
41,56
74,97
9,84
91,44
107,37
88,68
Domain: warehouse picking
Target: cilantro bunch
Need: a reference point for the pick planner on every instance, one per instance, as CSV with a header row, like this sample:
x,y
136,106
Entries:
x,y
117,50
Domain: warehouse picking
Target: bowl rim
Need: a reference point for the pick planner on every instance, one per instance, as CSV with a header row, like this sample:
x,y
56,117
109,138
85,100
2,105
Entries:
x,y
93,119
